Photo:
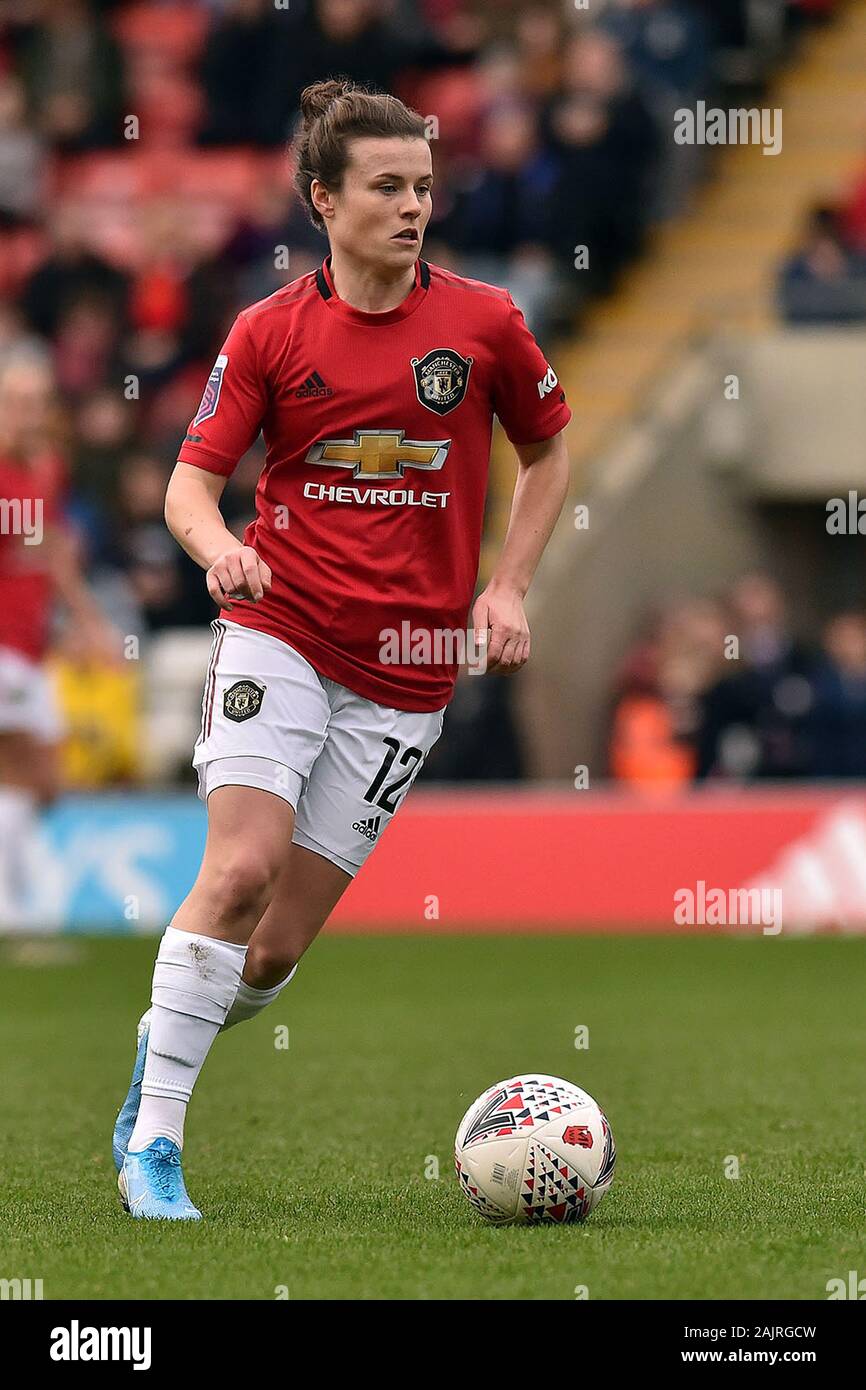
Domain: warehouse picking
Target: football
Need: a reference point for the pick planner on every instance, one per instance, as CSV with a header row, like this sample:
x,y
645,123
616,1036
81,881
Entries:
x,y
535,1148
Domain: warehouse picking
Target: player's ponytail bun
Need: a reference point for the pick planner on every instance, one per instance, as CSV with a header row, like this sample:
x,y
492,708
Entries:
x,y
333,112
316,99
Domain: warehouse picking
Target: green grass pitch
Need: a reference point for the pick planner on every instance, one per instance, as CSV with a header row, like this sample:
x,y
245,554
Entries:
x,y
309,1163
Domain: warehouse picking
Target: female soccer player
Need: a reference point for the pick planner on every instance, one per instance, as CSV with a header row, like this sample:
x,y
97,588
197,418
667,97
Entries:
x,y
39,569
375,381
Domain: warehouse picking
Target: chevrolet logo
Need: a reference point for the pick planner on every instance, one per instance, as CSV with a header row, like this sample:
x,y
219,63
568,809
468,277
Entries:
x,y
380,453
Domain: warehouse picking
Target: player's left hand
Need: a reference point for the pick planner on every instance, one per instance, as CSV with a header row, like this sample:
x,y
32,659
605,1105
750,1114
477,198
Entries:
x,y
500,609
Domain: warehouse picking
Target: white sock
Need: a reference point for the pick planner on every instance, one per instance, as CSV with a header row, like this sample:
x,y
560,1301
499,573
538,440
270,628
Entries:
x,y
195,980
18,820
250,1001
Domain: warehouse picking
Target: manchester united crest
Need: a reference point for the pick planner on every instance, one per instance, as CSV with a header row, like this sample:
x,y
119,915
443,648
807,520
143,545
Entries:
x,y
242,700
441,379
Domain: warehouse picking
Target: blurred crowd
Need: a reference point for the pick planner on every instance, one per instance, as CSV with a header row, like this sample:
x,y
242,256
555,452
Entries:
x,y
722,689
823,282
145,196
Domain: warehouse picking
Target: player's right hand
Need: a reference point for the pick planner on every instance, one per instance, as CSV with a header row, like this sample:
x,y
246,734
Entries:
x,y
238,574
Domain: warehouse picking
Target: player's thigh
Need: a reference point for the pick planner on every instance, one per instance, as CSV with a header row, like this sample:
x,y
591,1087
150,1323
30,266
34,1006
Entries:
x,y
30,763
371,758
308,889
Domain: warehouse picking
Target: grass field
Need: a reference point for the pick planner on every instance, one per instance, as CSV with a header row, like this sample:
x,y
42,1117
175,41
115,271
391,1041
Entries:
x,y
309,1163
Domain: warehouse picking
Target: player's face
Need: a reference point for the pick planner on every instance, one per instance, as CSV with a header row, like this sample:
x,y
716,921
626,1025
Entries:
x,y
381,212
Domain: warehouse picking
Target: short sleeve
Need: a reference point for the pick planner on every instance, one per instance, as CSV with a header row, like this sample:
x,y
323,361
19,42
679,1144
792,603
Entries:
x,y
527,395
232,407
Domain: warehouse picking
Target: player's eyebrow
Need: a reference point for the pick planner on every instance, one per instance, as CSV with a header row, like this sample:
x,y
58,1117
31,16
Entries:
x,y
398,178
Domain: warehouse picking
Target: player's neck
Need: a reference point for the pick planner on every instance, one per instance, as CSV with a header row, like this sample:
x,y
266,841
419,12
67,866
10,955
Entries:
x,y
369,288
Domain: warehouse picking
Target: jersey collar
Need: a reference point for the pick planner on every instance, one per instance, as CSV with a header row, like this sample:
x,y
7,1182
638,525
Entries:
x,y
325,286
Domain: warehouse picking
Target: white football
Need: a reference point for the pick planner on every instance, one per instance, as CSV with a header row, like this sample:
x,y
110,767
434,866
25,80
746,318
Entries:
x,y
535,1148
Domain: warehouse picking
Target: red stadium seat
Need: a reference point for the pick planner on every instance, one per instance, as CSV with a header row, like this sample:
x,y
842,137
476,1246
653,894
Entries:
x,y
175,32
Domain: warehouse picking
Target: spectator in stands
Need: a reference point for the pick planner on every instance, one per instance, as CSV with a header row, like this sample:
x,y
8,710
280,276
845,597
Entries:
x,y
667,44
74,77
103,428
237,72
182,298
754,719
22,154
72,270
824,281
86,341
540,35
167,585
273,222
607,143
288,52
103,742
668,50
501,223
853,218
16,338
657,705
837,722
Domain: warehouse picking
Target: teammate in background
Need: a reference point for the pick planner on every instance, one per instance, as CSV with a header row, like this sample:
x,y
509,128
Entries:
x,y
37,567
375,380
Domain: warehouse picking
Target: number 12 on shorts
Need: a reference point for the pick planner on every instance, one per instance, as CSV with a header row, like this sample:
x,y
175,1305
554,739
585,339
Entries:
x,y
386,797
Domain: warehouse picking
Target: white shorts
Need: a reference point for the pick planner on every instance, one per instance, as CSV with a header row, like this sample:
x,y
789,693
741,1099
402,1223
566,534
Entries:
x,y
28,704
269,720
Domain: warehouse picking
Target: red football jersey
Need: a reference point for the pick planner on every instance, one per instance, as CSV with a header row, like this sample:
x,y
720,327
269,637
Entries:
x,y
369,508
30,502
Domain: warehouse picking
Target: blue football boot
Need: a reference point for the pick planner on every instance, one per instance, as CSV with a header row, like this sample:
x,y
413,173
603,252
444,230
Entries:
x,y
151,1184
125,1122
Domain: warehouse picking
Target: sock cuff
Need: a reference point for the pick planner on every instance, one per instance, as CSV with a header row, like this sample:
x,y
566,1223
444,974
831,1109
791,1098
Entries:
x,y
250,1001
263,996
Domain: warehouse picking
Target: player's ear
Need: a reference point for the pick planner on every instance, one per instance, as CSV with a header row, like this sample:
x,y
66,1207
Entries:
x,y
321,198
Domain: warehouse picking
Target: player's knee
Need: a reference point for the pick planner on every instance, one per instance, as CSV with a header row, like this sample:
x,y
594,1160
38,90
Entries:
x,y
243,885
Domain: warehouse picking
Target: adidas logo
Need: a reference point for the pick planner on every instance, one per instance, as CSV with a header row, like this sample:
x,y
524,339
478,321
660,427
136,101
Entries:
x,y
370,827
313,386
820,873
